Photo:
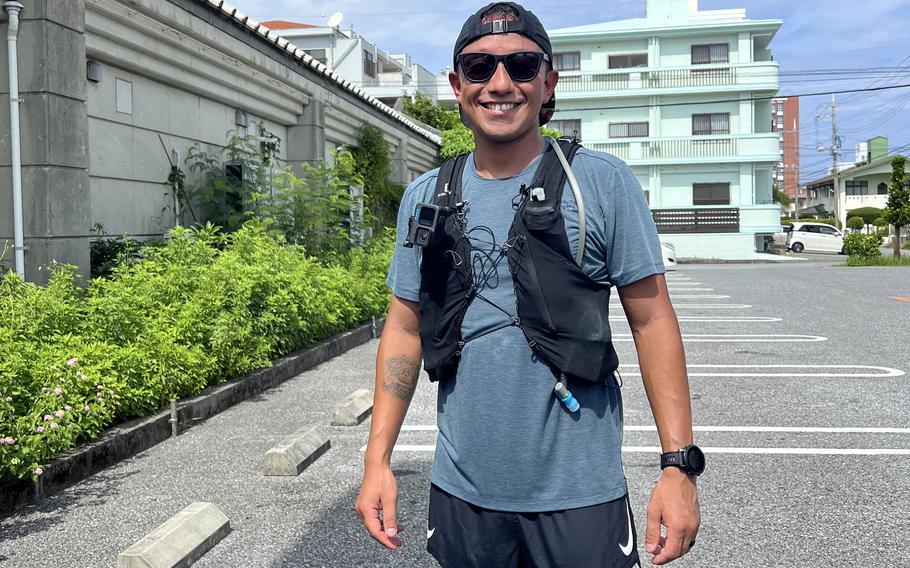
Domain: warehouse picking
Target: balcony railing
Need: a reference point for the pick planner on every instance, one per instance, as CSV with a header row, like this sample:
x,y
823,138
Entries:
x,y
715,220
696,148
690,77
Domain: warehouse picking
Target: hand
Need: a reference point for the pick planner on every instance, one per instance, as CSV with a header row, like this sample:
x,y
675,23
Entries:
x,y
379,493
674,504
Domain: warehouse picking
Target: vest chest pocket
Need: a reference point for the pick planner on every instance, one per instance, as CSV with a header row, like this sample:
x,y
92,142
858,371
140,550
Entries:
x,y
541,215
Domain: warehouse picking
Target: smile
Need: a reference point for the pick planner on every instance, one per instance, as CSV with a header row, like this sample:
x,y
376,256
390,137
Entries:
x,y
500,106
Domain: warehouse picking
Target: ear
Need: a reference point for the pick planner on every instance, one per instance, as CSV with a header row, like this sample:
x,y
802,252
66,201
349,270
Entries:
x,y
549,83
455,81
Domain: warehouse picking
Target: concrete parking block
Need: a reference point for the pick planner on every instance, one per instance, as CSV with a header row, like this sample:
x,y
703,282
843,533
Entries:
x,y
295,453
354,409
180,541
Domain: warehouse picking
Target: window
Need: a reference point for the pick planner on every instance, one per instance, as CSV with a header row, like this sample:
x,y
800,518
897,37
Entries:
x,y
567,61
827,230
711,193
628,130
882,189
567,127
317,54
857,187
710,53
628,60
369,64
713,123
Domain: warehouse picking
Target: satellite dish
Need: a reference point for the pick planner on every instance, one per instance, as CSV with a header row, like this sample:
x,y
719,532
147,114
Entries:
x,y
335,19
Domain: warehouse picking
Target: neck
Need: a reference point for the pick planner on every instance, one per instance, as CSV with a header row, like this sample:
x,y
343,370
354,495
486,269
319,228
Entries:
x,y
497,160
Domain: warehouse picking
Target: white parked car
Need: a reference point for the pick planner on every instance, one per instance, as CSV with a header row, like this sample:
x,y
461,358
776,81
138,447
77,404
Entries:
x,y
669,254
815,237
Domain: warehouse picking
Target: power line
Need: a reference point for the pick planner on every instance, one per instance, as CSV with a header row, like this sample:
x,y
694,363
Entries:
x,y
766,98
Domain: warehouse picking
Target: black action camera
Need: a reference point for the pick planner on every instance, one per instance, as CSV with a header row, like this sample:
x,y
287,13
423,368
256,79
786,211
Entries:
x,y
422,225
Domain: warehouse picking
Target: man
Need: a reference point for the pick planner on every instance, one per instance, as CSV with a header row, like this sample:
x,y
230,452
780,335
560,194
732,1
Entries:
x,y
520,476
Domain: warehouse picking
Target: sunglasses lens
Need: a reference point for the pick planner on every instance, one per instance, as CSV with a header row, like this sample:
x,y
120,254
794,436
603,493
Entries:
x,y
523,66
478,66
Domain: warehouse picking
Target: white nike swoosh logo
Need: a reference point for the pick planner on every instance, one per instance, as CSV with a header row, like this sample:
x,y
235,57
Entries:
x,y
433,530
627,549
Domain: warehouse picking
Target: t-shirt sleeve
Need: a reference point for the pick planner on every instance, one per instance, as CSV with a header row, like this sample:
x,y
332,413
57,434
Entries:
x,y
404,272
633,252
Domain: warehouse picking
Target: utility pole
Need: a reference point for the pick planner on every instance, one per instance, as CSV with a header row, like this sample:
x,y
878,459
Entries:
x,y
834,145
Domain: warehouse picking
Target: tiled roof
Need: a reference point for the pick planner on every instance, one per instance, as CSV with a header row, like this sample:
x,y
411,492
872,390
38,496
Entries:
x,y
269,35
286,25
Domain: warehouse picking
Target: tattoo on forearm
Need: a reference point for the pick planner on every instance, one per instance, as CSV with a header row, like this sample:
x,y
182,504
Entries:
x,y
401,379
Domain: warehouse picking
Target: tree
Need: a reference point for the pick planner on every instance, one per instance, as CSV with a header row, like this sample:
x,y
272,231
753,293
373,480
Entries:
x,y
782,198
423,109
897,213
868,214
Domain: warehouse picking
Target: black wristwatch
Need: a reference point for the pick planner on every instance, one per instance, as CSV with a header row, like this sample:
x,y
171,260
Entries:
x,y
689,459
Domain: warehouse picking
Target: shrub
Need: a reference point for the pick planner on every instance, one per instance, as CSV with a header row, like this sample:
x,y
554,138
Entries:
x,y
856,223
868,214
194,312
863,246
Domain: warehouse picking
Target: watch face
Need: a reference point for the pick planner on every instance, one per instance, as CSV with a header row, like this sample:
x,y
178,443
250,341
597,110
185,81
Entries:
x,y
695,460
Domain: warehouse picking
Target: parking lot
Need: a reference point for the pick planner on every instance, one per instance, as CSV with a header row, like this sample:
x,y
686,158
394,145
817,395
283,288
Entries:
x,y
799,394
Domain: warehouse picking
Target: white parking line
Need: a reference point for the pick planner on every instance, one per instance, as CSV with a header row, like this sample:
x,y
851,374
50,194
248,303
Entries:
x,y
887,371
721,450
678,283
740,319
713,306
675,296
720,338
785,451
754,429
675,288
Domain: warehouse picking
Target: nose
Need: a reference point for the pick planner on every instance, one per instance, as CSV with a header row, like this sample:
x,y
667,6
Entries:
x,y
500,81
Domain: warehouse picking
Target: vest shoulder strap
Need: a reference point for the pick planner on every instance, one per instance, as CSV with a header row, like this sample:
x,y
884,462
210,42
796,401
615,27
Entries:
x,y
448,181
550,174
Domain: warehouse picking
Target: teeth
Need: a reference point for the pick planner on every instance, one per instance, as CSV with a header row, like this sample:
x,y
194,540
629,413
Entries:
x,y
502,106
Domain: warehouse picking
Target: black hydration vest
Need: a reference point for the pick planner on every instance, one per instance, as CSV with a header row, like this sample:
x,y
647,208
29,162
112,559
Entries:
x,y
563,313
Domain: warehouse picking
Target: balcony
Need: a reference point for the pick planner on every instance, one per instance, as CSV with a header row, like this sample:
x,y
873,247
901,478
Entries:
x,y
645,81
691,149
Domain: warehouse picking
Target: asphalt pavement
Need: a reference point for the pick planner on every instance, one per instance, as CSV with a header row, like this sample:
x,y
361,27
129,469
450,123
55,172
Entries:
x,y
799,395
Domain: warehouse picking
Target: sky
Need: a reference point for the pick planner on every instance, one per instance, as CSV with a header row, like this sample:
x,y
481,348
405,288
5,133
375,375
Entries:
x,y
816,35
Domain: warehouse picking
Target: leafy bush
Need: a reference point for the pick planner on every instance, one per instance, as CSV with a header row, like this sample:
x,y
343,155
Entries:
x,y
863,246
868,214
200,309
881,223
856,223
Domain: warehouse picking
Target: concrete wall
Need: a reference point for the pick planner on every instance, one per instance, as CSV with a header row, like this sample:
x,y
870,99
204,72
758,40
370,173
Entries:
x,y
54,132
183,73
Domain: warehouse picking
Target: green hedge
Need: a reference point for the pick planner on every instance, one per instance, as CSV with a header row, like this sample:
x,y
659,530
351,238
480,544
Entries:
x,y
195,312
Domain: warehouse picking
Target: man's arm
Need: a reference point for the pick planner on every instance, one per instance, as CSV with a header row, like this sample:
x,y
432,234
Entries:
x,y
397,370
674,501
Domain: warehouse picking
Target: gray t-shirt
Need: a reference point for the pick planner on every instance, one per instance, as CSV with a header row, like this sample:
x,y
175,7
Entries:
x,y
505,442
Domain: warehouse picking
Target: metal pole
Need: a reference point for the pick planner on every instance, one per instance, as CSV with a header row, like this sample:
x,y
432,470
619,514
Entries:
x,y
13,9
834,161
173,419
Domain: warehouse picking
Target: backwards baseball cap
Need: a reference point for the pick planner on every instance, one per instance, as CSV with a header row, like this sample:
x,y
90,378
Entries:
x,y
524,22
518,21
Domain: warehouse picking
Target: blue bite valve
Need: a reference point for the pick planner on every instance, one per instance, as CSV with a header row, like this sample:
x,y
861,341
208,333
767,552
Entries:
x,y
565,396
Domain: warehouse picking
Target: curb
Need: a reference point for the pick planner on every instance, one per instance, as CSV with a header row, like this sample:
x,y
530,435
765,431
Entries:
x,y
128,439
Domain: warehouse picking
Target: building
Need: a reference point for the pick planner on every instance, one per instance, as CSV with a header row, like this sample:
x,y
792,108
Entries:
x,y
684,97
785,121
389,77
113,90
865,184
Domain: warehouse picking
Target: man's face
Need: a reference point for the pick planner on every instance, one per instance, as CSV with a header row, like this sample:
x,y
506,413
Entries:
x,y
500,109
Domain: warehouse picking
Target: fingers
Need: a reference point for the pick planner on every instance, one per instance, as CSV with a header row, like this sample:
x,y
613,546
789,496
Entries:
x,y
674,545
373,520
653,540
389,521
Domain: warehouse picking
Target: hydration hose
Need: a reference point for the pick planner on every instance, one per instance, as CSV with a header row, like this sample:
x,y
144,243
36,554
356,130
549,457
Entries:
x,y
573,183
564,395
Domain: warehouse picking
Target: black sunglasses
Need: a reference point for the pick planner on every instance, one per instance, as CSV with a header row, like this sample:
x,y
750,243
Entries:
x,y
522,66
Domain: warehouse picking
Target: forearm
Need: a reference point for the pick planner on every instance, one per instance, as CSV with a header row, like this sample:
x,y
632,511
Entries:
x,y
397,371
663,368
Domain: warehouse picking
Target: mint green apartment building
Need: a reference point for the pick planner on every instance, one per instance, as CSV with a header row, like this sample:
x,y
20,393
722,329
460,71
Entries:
x,y
683,96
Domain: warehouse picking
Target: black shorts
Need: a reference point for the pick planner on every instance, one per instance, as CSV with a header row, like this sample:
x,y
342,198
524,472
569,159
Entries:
x,y
462,535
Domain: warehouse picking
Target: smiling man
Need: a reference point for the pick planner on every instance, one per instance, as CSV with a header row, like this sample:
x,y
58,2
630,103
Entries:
x,y
501,279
